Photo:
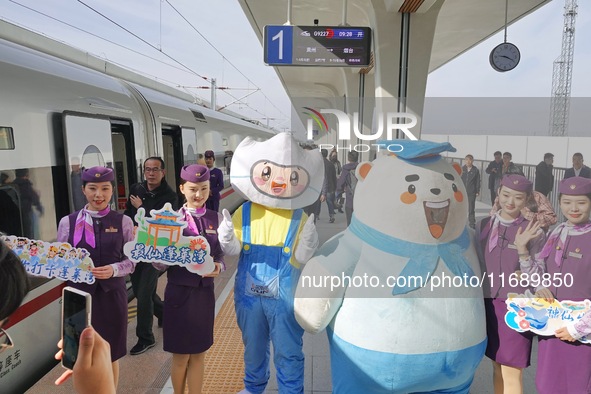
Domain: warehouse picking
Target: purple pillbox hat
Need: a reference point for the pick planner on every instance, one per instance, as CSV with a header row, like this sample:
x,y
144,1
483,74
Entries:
x,y
575,186
517,182
209,153
98,174
195,173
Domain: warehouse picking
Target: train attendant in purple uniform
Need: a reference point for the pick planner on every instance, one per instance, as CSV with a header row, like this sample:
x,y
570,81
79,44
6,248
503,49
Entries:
x,y
103,233
189,300
508,244
564,363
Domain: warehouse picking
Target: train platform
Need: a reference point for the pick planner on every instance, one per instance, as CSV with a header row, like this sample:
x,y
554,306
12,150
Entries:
x,y
150,372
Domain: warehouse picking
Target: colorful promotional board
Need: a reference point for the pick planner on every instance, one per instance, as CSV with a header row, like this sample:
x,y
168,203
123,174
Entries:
x,y
52,259
525,312
159,239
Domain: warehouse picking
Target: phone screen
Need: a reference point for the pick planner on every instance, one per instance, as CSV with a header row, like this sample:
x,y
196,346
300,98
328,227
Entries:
x,y
76,317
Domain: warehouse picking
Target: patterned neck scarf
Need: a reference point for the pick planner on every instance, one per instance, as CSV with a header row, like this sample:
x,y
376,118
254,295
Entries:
x,y
558,237
494,229
85,227
188,217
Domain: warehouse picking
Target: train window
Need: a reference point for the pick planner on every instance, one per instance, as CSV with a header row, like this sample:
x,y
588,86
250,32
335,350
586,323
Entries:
x,y
26,203
199,116
189,146
88,144
6,138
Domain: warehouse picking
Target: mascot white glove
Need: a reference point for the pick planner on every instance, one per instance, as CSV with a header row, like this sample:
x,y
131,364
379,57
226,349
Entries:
x,y
228,241
308,241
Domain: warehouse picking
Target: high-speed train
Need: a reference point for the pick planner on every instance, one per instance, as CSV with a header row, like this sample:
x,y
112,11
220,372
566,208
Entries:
x,y
60,110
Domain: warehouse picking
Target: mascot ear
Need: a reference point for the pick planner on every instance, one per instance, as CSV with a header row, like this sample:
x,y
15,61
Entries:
x,y
457,167
362,170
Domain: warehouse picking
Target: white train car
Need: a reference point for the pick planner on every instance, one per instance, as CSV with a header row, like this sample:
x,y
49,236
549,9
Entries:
x,y
61,109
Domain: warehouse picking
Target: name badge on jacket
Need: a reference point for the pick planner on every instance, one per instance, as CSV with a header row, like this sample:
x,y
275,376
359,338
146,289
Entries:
x,y
111,229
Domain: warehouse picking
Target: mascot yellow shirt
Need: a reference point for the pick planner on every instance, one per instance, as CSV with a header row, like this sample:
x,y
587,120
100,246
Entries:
x,y
268,226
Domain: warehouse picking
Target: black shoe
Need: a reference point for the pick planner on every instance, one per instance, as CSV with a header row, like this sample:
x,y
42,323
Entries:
x,y
140,348
331,220
341,211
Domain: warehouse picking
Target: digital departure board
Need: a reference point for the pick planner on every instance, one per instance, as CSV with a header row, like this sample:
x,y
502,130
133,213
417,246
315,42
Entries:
x,y
342,46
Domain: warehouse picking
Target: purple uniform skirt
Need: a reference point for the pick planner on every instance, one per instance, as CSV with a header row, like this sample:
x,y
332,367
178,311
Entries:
x,y
109,319
188,318
563,367
505,346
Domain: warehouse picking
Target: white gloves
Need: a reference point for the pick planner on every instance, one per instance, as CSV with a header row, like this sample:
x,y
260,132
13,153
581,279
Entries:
x,y
230,245
308,241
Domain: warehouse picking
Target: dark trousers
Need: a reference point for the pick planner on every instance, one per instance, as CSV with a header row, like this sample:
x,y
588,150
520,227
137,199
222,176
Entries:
x,y
330,203
471,209
144,281
349,214
493,196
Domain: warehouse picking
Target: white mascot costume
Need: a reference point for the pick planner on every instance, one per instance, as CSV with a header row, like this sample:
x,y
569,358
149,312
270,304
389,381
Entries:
x,y
393,325
273,237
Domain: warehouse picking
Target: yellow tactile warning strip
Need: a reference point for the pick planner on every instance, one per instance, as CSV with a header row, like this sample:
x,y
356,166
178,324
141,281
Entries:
x,y
224,362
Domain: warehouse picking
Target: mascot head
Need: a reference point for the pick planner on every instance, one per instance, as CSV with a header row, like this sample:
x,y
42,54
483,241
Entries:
x,y
425,198
277,173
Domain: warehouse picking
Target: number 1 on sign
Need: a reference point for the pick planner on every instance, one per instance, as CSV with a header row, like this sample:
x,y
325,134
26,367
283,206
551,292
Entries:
x,y
279,36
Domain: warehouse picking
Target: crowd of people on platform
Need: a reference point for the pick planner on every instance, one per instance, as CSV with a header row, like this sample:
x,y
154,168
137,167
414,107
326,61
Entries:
x,y
514,238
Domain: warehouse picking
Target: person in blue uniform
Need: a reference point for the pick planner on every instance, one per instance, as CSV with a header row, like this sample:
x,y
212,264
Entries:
x,y
564,363
508,246
103,233
216,182
189,299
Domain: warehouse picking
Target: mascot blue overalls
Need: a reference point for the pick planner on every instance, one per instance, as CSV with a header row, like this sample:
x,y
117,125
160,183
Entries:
x,y
274,237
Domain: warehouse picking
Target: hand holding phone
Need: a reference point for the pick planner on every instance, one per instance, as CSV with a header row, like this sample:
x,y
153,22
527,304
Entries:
x,y
76,314
93,372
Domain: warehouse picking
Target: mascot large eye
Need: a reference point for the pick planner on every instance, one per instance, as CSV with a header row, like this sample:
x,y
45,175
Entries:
x,y
454,187
412,189
266,174
294,178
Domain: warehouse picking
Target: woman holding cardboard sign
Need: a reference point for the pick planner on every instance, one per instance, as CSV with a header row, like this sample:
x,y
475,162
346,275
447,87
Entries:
x,y
103,233
564,363
189,299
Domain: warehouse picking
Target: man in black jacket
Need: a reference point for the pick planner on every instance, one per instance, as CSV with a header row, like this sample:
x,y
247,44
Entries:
x,y
494,175
544,176
150,194
578,168
471,179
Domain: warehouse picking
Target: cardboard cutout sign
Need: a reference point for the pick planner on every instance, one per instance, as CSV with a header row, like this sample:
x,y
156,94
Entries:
x,y
159,239
525,312
52,259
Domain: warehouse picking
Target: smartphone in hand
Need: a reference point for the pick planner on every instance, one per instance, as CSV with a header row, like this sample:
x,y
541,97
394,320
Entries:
x,y
76,313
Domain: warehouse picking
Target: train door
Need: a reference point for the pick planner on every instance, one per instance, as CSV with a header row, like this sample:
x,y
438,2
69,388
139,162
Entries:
x,y
179,149
98,141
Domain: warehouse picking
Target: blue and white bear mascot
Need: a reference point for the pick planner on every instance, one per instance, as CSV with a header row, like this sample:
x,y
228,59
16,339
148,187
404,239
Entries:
x,y
274,237
393,326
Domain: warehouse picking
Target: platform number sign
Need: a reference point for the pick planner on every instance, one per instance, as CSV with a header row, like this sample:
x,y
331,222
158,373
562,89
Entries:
x,y
278,44
317,46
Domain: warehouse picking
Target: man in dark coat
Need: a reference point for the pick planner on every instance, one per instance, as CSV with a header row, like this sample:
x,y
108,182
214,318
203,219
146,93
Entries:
x,y
471,179
544,176
150,194
330,175
347,183
216,182
494,175
578,168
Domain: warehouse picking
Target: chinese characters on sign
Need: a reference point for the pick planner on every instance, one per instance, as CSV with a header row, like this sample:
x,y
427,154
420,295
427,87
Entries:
x,y
159,239
52,259
526,313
